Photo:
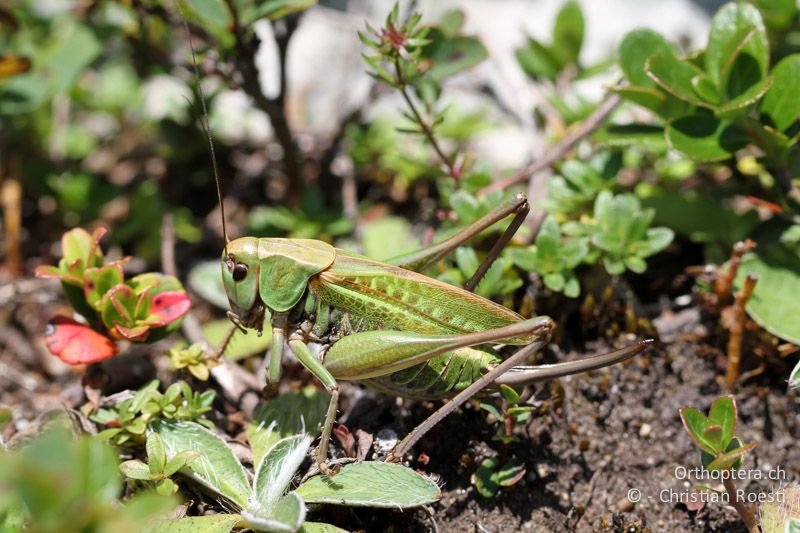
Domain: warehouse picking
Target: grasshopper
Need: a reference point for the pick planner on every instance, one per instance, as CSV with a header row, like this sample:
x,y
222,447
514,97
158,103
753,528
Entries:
x,y
400,331
386,324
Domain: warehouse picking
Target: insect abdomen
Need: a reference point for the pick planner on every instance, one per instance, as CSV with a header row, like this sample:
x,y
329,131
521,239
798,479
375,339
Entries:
x,y
443,376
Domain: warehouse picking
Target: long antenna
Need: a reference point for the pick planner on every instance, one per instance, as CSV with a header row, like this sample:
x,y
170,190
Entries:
x,y
206,129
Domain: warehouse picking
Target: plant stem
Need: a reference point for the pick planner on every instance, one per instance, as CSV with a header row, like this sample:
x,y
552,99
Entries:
x,y
426,129
746,512
737,330
724,283
559,150
275,108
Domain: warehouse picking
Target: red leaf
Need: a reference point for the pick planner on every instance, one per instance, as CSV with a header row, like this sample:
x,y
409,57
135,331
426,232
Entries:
x,y
170,306
76,343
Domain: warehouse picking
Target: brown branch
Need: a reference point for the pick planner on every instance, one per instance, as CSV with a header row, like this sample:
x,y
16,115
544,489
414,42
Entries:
x,y
426,128
746,512
275,108
559,150
737,330
723,285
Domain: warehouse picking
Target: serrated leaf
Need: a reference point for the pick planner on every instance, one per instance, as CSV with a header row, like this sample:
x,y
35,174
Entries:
x,y
217,469
781,105
371,484
705,137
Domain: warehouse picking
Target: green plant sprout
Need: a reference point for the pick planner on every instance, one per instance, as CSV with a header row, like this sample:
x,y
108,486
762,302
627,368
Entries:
x,y
720,448
269,503
158,470
59,482
554,258
127,421
496,472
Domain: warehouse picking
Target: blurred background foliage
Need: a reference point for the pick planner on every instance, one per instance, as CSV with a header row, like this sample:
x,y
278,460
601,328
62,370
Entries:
x,y
102,125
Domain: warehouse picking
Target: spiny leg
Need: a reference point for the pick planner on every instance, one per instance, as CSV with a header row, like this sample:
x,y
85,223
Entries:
x,y
422,259
381,352
495,375
525,375
314,365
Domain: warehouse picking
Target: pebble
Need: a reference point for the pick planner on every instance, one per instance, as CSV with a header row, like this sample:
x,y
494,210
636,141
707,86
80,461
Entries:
x,y
645,430
385,440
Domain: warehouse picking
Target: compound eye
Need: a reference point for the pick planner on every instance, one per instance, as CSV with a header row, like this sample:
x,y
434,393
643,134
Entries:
x,y
239,271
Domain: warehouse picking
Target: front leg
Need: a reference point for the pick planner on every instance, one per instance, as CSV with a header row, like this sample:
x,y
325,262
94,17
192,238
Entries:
x,y
314,365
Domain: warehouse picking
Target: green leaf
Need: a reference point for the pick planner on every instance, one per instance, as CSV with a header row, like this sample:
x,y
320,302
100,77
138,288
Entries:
x,y
388,237
774,304
794,377
723,414
648,136
135,469
778,14
701,218
206,281
510,395
729,458
318,527
287,516
635,48
485,482
156,454
73,49
737,55
781,105
275,9
218,469
98,281
675,76
537,61
705,89
695,423
705,137
179,460
288,414
748,97
451,55
568,33
217,523
274,474
372,484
